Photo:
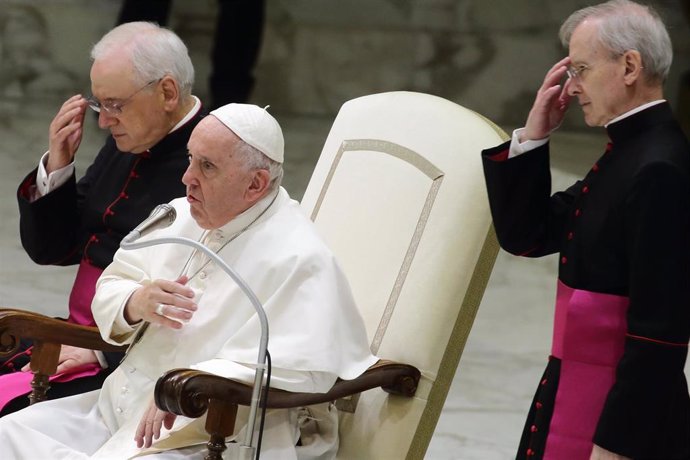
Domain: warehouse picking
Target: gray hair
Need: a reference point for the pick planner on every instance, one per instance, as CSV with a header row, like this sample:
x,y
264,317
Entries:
x,y
253,158
155,52
624,26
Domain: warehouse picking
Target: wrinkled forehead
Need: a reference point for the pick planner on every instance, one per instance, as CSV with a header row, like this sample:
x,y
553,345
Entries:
x,y
585,45
212,139
112,76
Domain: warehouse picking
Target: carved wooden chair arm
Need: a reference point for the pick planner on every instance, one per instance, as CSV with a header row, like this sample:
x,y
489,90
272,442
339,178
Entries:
x,y
47,334
192,393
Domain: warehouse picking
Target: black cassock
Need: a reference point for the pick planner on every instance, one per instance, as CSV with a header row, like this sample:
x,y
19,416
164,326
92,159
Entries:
x,y
82,222
622,323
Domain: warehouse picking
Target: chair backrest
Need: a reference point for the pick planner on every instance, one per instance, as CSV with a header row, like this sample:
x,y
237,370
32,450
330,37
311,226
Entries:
x,y
398,193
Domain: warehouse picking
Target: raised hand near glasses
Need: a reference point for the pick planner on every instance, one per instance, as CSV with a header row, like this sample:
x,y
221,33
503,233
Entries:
x,y
65,133
550,104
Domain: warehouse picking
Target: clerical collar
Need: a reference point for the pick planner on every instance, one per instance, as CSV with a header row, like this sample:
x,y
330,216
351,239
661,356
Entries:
x,y
634,111
190,114
627,130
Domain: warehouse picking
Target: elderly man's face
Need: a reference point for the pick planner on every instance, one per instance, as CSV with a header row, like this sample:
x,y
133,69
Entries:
x,y
144,120
219,186
599,85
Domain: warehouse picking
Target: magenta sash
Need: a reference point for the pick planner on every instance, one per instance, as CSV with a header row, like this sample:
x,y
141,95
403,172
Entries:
x,y
588,337
83,290
19,383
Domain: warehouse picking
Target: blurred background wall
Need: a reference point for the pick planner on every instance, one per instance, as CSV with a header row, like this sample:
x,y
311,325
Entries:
x,y
489,56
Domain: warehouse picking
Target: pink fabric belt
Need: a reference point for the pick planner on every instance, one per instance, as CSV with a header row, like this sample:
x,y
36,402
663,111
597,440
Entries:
x,y
19,383
83,290
589,336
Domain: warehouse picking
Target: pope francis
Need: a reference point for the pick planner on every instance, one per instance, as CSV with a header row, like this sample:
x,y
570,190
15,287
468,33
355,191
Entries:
x,y
176,308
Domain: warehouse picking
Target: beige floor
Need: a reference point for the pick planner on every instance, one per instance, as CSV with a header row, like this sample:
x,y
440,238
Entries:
x,y
509,343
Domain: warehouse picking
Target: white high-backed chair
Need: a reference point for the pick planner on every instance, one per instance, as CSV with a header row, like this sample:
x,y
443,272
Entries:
x,y
398,193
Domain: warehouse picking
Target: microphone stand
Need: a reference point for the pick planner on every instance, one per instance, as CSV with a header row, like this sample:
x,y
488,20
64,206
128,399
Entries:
x,y
247,448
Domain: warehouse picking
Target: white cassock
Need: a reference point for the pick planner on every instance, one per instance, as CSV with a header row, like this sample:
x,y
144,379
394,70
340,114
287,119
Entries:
x,y
316,335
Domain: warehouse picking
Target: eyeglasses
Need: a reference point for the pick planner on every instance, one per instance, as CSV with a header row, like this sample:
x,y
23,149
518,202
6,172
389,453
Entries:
x,y
113,106
575,73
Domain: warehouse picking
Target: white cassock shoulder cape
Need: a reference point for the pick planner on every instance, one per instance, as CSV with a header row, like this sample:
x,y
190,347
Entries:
x,y
316,332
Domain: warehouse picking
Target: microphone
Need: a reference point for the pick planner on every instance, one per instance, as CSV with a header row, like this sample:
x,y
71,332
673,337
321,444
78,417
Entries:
x,y
248,449
162,216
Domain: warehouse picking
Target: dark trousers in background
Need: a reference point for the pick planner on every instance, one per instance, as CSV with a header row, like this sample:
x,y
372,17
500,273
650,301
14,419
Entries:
x,y
236,43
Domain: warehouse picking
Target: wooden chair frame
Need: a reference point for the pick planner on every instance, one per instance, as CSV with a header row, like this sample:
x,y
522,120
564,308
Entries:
x,y
183,391
47,334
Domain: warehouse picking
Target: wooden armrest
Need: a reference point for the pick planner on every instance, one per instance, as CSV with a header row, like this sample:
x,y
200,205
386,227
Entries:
x,y
192,393
20,324
47,334
187,392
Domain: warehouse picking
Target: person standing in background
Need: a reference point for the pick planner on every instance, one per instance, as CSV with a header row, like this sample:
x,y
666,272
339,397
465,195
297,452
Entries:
x,y
236,43
614,387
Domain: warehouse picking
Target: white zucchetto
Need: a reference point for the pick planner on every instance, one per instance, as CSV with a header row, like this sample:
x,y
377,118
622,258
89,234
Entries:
x,y
255,126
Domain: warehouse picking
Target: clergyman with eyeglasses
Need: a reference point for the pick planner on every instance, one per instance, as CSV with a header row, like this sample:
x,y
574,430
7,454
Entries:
x,y
141,80
614,386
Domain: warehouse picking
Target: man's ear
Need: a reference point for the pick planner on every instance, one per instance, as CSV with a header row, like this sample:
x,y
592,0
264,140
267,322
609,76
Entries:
x,y
171,92
633,66
258,187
